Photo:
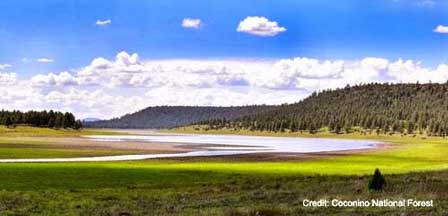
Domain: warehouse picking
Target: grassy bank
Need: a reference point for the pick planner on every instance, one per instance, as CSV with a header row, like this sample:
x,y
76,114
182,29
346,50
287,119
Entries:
x,y
33,142
164,188
405,153
414,167
321,133
26,131
26,150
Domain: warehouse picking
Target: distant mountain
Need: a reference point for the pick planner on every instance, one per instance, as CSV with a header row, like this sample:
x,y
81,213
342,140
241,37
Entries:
x,y
91,120
173,116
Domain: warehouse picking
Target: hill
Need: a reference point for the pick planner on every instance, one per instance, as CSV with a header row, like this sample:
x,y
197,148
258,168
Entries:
x,y
173,116
384,108
91,119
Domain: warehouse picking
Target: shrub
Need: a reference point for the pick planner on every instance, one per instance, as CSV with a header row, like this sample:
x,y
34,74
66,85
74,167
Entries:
x,y
377,182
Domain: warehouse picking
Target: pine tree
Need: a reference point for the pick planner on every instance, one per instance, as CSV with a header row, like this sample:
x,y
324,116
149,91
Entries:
x,y
8,122
58,121
377,182
77,125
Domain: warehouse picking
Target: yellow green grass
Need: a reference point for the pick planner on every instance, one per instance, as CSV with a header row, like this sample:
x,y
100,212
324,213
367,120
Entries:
x,y
32,142
404,154
321,133
415,167
26,131
50,151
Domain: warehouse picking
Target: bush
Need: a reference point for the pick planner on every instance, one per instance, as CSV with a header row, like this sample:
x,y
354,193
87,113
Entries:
x,y
377,182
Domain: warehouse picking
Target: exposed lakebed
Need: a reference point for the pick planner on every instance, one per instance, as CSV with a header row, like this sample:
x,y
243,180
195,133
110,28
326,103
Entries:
x,y
218,145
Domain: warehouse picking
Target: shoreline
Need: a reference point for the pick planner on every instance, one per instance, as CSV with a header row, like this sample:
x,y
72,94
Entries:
x,y
179,151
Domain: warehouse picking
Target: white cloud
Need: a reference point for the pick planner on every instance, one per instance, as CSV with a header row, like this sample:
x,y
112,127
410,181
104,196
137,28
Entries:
x,y
441,29
108,88
191,23
410,71
45,60
39,60
103,22
260,26
61,79
4,66
7,79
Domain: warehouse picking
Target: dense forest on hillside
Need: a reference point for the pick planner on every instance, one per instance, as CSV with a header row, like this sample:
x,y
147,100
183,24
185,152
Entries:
x,y
49,119
173,116
383,108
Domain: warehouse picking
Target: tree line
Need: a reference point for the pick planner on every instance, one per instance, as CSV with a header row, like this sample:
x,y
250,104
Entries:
x,y
174,116
381,108
50,119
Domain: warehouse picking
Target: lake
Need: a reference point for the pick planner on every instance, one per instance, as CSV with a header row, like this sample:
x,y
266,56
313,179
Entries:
x,y
220,145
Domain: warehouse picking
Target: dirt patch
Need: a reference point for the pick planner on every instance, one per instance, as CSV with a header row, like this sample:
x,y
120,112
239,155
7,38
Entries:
x,y
281,156
86,143
148,147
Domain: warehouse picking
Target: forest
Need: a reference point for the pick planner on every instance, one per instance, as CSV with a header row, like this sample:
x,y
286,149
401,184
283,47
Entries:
x,y
50,119
174,116
380,108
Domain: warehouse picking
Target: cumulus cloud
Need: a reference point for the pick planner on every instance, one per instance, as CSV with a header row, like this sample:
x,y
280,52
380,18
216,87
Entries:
x,y
108,88
7,79
61,79
4,66
18,94
103,22
260,26
410,71
441,29
45,60
191,23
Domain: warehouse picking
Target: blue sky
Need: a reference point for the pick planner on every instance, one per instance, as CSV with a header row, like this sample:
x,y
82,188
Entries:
x,y
60,56
65,30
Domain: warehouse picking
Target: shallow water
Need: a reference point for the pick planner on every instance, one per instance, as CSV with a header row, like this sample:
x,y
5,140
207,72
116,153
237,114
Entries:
x,y
216,146
252,143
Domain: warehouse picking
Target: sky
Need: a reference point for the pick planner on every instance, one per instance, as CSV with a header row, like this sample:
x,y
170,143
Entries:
x,y
105,59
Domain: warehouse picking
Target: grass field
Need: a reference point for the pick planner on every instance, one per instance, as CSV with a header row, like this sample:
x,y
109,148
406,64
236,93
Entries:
x,y
30,142
406,154
113,188
26,131
414,166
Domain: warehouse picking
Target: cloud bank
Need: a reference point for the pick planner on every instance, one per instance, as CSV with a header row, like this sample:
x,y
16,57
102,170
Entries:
x,y
5,66
108,88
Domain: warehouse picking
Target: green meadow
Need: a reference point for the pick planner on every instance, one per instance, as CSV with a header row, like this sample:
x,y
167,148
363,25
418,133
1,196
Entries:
x,y
30,142
414,167
403,154
26,131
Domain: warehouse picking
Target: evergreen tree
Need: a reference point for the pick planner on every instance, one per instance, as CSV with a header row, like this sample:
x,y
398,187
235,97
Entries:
x,y
391,108
377,182
8,122
77,125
